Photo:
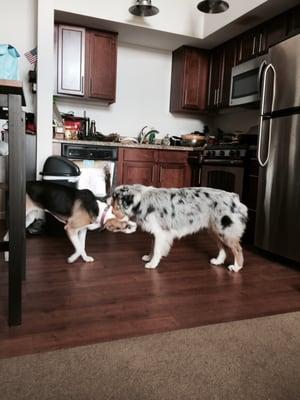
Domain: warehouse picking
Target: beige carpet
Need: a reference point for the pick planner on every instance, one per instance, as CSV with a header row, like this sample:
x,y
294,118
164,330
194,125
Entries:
x,y
257,359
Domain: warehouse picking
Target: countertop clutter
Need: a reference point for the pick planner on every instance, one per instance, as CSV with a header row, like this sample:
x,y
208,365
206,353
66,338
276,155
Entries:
x,y
129,145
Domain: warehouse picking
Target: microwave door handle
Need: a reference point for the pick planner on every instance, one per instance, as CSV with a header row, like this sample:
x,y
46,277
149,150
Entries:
x,y
264,163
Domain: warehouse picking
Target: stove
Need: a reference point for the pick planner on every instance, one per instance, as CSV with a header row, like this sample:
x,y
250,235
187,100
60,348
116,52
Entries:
x,y
225,153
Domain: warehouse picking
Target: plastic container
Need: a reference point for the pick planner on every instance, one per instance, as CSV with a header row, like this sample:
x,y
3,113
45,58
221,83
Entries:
x,y
61,170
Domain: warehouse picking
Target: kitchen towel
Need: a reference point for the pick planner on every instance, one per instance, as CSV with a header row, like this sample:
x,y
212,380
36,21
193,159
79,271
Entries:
x,y
93,173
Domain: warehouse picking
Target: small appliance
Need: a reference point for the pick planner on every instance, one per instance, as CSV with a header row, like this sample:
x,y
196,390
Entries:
x,y
246,81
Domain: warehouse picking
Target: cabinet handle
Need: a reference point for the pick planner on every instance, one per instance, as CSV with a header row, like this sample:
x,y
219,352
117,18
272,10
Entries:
x,y
215,93
199,177
82,84
253,47
240,51
217,99
259,43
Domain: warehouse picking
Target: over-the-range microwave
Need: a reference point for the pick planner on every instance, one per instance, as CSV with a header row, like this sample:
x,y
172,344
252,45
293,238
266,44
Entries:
x,y
245,81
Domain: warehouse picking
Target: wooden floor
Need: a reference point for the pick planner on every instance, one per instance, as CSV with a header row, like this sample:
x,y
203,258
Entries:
x,y
115,297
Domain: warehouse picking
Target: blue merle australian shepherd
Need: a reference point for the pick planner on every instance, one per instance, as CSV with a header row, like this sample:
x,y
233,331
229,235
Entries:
x,y
173,213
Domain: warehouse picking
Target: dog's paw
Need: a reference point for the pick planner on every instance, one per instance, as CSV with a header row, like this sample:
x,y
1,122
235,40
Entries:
x,y
150,265
88,259
234,268
146,257
215,261
73,258
131,227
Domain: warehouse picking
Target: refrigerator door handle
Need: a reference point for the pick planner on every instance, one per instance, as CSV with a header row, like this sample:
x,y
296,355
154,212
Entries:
x,y
260,73
265,73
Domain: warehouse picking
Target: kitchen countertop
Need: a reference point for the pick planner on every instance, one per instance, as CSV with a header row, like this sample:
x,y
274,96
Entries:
x,y
134,145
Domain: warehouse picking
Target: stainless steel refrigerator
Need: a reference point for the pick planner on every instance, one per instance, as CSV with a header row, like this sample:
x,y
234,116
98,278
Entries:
x,y
278,206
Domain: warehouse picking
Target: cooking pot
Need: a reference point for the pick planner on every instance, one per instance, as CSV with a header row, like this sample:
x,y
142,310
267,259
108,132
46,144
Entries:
x,y
193,139
175,141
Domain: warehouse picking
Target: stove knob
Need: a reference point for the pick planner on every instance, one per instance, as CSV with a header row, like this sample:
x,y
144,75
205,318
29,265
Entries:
x,y
222,153
231,153
237,153
207,153
213,152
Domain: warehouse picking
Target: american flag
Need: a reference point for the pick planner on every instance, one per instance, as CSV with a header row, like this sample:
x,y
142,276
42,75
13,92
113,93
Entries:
x,y
31,55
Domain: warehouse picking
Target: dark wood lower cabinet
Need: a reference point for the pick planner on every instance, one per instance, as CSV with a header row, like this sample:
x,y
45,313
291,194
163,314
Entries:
x,y
160,168
139,172
172,175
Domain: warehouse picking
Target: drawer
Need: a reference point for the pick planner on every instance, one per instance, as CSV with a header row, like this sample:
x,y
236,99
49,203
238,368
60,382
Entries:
x,y
138,155
172,156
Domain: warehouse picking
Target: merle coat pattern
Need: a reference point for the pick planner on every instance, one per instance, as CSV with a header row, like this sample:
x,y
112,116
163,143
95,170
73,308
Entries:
x,y
174,213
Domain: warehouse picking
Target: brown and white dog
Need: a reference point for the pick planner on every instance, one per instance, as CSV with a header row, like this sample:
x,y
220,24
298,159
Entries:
x,y
174,213
79,210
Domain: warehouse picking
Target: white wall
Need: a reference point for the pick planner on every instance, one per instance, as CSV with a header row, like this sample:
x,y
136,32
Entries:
x,y
18,27
237,119
143,96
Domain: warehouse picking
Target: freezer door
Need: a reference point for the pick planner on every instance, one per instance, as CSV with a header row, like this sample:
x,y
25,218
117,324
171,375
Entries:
x,y
278,206
285,57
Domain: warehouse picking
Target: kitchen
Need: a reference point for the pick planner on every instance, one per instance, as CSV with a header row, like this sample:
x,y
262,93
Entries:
x,y
143,91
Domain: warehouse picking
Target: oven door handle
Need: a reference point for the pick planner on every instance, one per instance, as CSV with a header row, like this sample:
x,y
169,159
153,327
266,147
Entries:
x,y
262,117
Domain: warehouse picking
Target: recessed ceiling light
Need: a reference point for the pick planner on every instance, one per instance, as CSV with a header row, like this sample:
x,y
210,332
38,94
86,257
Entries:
x,y
213,6
143,8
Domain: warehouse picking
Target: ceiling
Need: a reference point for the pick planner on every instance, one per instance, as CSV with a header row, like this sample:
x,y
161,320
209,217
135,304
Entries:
x,y
215,29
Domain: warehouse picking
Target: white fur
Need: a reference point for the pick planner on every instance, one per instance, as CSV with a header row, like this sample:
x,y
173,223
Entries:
x,y
173,213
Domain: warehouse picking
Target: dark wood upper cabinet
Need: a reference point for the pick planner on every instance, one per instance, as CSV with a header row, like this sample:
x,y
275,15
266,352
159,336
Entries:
x,y
86,63
293,21
215,76
229,61
189,80
251,44
101,63
223,58
276,30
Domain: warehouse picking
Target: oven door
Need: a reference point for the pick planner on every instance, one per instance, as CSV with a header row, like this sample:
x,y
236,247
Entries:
x,y
223,177
246,81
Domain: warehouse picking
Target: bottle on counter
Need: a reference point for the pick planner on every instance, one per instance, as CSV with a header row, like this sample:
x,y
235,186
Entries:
x,y
93,127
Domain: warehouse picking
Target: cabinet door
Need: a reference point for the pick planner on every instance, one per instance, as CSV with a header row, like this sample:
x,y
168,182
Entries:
x,y
276,30
215,77
195,79
102,65
229,61
189,80
172,175
293,21
139,172
251,44
71,60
